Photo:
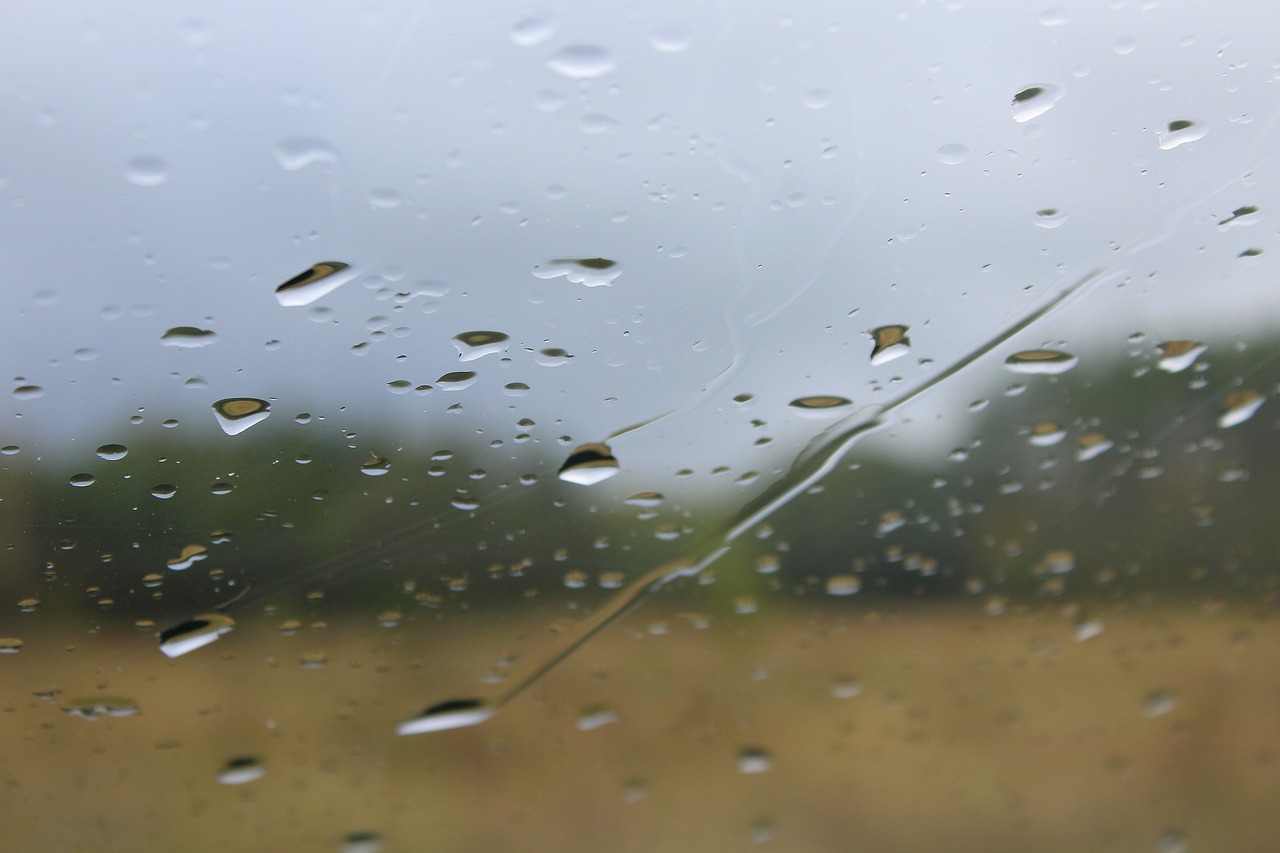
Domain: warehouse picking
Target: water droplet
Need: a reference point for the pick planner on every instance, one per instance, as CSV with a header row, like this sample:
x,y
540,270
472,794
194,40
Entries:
x,y
309,285
589,464
1092,445
552,357
1246,215
400,386
27,392
112,452
821,406
1045,361
28,605
100,706
1160,703
385,198
816,99
194,633
515,389
533,30
147,171
592,272
190,555
671,39
188,337
1046,433
82,480
890,342
1173,842
647,500
593,718
241,770
754,760
10,645
1181,131
582,61
375,467
1239,406
843,585
164,491
1177,356
1087,630
473,345
953,154
1055,16
362,842
237,414
447,715
1050,217
1035,101
456,380
298,152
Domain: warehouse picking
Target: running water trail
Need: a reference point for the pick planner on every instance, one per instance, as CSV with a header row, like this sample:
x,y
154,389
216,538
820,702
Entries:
x,y
822,454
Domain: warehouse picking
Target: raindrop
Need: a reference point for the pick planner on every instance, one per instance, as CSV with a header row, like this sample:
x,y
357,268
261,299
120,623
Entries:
x,y
1159,704
237,414
1240,216
515,389
953,154
101,706
164,491
309,285
453,714
1177,356
188,337
194,633
533,30
1087,630
552,357
1035,101
582,62
473,345
589,464
821,406
1047,433
239,771
190,555
147,171
457,380
82,480
594,718
754,760
644,499
890,342
375,467
670,39
592,272
361,842
843,585
1050,217
1239,406
27,392
1041,361
1092,445
10,645
298,152
1181,131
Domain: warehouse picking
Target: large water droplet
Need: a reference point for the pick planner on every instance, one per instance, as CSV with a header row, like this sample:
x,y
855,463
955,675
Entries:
x,y
589,464
447,715
112,452
147,171
1180,132
298,152
1041,361
1177,356
582,61
1035,101
1239,406
592,272
309,285
1246,215
188,337
237,414
890,342
473,345
190,555
194,633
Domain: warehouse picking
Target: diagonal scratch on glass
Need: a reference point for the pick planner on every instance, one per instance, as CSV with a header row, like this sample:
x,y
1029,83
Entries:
x,y
819,457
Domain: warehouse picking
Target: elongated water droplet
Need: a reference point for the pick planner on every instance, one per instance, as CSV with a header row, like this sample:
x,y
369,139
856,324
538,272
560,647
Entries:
x,y
190,555
309,285
890,342
27,392
1091,445
821,406
1046,433
1239,406
10,645
375,467
593,718
82,480
241,770
589,464
456,381
453,714
147,171
298,152
101,706
1035,101
1177,356
1180,132
473,345
1246,215
194,633
237,414
1041,361
582,61
592,272
188,337
644,499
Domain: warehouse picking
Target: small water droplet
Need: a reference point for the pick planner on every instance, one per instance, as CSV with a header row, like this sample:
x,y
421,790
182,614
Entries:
x,y
589,464
816,99
552,357
311,284
582,61
1087,630
27,392
194,633
473,345
1046,433
237,414
147,171
647,500
1044,361
1092,445
890,342
1239,406
453,714
821,406
592,272
188,337
843,585
953,153
1055,16
1160,703
1035,101
754,760
241,770
164,491
591,719
1177,356
298,152
533,30
361,842
1180,132
82,480
1050,217
671,39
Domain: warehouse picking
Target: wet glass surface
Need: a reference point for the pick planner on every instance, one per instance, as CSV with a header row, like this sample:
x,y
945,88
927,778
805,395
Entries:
x,y
679,426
